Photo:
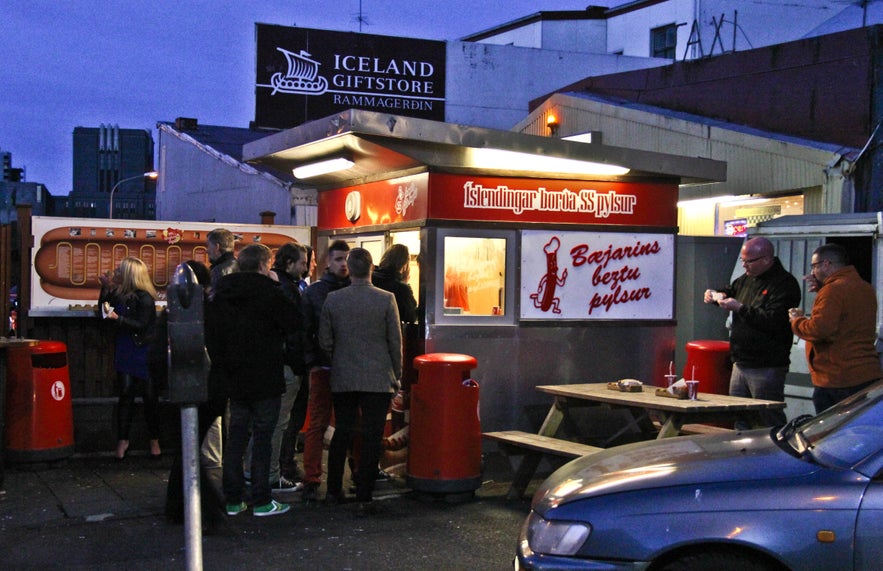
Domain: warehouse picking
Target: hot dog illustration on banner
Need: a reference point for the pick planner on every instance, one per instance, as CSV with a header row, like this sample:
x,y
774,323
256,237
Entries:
x,y
545,298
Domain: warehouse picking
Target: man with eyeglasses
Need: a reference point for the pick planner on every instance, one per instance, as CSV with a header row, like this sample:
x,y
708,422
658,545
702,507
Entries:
x,y
841,332
760,333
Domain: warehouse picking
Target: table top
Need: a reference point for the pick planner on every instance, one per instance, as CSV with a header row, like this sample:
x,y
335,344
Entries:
x,y
17,342
647,398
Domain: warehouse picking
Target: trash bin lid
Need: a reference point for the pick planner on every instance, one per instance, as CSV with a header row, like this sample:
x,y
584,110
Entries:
x,y
49,347
713,345
449,359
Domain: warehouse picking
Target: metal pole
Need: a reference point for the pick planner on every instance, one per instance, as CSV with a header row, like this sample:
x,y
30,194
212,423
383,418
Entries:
x,y
192,510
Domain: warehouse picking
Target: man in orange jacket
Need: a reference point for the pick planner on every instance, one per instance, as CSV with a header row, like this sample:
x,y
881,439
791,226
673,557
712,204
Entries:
x,y
841,332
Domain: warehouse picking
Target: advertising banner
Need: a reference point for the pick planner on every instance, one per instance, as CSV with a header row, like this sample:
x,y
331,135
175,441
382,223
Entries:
x,y
304,74
70,253
384,202
496,199
597,275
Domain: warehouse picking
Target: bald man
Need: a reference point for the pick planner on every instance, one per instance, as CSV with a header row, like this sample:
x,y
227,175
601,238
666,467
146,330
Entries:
x,y
760,334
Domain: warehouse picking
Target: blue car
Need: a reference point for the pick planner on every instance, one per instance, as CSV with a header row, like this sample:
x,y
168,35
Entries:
x,y
805,496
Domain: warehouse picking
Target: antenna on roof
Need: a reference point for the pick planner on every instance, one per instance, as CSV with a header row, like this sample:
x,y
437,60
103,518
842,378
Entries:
x,y
361,18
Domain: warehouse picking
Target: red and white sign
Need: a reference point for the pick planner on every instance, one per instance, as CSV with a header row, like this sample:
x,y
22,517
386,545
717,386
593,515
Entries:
x,y
495,199
375,203
597,275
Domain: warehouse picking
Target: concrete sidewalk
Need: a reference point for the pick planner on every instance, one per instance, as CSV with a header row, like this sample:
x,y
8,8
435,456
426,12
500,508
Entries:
x,y
97,513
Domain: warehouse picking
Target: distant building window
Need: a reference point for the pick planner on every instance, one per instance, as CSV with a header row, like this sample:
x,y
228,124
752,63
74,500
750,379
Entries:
x,y
664,41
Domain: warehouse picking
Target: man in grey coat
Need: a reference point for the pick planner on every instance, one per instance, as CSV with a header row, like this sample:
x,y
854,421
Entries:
x,y
361,331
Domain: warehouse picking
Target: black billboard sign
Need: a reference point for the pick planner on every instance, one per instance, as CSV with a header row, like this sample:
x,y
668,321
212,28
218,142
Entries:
x,y
305,74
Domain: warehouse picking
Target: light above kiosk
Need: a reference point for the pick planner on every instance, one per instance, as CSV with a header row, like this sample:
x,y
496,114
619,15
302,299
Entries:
x,y
515,161
322,167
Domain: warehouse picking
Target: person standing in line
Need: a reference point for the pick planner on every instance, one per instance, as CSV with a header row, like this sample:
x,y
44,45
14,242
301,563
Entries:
x,y
247,323
336,276
132,306
219,244
392,275
841,331
289,465
289,264
760,335
361,330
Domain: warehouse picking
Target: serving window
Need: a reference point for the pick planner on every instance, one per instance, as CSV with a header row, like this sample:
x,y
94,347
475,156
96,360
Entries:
x,y
475,281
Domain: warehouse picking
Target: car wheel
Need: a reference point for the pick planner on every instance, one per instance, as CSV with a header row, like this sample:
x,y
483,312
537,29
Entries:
x,y
721,561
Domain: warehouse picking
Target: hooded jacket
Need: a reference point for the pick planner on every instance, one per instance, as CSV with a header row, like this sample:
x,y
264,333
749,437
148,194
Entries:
x,y
246,325
390,280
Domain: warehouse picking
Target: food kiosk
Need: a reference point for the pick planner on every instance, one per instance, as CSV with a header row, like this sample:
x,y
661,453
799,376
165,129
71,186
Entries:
x,y
549,261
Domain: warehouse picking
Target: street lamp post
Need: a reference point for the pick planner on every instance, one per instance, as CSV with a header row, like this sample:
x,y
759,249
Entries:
x,y
150,175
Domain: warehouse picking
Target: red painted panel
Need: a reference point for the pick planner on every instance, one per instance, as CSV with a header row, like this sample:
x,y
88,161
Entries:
x,y
495,199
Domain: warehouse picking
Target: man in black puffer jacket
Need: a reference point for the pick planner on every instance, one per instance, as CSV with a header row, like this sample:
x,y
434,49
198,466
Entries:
x,y
246,327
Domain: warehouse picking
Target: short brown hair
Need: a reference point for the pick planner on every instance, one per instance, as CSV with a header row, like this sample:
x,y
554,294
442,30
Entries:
x,y
359,262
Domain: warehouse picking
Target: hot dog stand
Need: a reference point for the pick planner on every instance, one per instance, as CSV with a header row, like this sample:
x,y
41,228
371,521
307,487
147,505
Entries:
x,y
549,261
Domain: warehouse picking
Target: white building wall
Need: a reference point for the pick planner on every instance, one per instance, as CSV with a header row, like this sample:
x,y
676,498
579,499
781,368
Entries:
x,y
492,86
747,24
198,186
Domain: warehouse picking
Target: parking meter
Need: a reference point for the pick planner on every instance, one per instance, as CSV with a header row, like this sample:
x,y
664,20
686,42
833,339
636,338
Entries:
x,y
188,359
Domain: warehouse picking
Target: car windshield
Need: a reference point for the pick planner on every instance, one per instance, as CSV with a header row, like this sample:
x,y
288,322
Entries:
x,y
847,432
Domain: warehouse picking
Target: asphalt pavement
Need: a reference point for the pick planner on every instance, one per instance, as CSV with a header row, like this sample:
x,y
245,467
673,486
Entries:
x,y
93,512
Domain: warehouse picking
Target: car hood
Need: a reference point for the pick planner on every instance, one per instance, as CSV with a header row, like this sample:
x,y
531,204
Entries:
x,y
686,460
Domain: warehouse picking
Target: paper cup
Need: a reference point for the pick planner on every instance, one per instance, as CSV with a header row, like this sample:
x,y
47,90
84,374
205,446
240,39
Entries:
x,y
692,389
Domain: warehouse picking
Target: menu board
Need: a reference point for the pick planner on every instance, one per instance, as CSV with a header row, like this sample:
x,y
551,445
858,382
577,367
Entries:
x,y
70,253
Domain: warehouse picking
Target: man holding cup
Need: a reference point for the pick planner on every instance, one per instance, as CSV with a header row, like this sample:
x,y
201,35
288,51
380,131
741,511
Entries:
x,y
841,332
760,333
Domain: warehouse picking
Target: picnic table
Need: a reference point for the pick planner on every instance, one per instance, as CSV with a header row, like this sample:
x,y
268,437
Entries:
x,y
650,413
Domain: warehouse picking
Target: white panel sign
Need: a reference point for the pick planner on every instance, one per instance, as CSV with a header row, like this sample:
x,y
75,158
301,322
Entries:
x,y
596,275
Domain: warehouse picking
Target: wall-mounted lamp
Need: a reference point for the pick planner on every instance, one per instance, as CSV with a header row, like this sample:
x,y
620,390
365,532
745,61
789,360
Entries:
x,y
552,125
322,167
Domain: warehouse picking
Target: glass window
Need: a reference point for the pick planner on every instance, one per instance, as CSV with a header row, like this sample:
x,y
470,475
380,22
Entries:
x,y
474,275
664,41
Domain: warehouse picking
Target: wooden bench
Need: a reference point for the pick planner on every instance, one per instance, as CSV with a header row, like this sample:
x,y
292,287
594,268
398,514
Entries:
x,y
704,429
532,447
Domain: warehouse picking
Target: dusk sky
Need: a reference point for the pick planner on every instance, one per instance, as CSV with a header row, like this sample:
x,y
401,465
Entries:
x,y
132,63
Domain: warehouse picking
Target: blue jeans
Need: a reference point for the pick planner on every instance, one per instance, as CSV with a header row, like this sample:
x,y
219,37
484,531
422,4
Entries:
x,y
261,416
764,384
374,407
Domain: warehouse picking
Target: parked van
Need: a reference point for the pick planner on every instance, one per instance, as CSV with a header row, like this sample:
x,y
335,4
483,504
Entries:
x,y
795,238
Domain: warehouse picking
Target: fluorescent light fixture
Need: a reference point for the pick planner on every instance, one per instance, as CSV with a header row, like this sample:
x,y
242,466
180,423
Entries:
x,y
322,167
511,160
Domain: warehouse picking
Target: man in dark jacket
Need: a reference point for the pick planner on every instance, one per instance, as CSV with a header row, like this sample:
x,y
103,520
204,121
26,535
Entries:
x,y
336,276
219,244
760,335
247,324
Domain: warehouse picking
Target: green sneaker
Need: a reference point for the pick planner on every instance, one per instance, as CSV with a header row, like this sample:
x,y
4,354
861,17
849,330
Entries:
x,y
236,509
273,508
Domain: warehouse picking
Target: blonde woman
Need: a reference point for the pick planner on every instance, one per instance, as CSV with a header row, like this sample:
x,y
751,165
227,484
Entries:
x,y
132,306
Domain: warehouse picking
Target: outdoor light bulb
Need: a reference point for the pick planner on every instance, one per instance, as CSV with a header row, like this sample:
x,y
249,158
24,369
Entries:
x,y
152,175
322,167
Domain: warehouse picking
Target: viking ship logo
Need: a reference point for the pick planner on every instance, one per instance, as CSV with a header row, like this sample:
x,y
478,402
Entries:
x,y
302,76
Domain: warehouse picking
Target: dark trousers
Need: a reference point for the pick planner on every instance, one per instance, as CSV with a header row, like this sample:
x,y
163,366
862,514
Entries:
x,y
824,398
129,387
347,406
261,416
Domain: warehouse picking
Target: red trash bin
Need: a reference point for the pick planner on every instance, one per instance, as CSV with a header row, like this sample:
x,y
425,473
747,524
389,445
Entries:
x,y
444,453
711,360
39,413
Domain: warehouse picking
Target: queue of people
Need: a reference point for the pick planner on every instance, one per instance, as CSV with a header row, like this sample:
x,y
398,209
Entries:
x,y
271,339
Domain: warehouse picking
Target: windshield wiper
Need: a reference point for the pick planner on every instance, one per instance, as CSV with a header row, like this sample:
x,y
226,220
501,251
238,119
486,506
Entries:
x,y
790,429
